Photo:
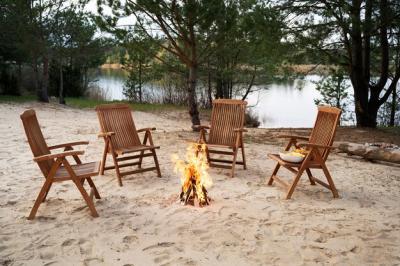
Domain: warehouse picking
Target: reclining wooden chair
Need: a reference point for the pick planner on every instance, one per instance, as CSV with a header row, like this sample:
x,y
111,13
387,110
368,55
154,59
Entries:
x,y
121,137
318,146
226,132
55,167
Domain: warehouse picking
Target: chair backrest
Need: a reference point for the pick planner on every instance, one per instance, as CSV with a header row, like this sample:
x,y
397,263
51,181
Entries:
x,y
36,140
325,127
117,118
227,115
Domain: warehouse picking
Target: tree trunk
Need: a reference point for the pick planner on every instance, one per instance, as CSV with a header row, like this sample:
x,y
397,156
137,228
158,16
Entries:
x,y
19,81
209,92
192,101
140,81
366,99
393,108
250,84
368,117
36,78
219,90
44,97
61,90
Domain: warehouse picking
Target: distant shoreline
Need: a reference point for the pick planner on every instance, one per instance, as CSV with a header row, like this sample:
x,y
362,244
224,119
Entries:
x,y
111,66
303,69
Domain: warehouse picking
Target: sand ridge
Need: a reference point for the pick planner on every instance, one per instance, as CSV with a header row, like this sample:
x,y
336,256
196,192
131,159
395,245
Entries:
x,y
142,223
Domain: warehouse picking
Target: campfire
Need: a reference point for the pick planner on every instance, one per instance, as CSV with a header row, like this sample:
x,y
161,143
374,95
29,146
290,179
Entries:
x,y
194,176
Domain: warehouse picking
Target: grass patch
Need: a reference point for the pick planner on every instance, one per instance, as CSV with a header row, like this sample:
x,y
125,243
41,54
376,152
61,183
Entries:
x,y
17,99
145,107
91,103
392,130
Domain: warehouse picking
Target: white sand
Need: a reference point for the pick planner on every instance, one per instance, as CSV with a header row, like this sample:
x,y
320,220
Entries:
x,y
141,223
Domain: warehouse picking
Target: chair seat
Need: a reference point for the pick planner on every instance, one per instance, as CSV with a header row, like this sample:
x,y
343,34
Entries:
x,y
219,145
122,151
277,158
81,171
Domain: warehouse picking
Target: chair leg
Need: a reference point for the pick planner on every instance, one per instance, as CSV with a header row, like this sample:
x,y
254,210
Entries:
x,y
234,162
86,197
271,179
294,183
96,192
330,181
207,155
244,158
103,161
117,169
156,162
39,199
47,192
310,177
140,160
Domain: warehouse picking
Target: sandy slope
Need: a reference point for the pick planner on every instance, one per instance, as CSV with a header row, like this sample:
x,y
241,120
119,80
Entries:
x,y
141,223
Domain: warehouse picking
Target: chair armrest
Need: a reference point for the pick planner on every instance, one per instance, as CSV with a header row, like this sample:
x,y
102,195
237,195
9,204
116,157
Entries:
x,y
146,129
293,137
315,146
240,130
200,127
64,145
57,155
105,134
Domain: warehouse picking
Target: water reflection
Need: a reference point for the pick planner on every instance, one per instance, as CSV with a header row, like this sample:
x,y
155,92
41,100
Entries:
x,y
281,104
288,104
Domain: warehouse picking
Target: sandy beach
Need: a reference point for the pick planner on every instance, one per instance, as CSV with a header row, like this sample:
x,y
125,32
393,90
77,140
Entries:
x,y
143,223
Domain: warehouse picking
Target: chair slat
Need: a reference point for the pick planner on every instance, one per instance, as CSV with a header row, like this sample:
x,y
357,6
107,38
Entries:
x,y
36,140
118,118
227,115
57,170
325,126
323,133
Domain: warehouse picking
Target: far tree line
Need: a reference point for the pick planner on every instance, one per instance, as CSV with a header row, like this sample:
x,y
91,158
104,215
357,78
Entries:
x,y
224,47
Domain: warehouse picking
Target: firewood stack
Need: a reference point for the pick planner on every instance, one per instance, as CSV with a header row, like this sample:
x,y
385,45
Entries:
x,y
195,194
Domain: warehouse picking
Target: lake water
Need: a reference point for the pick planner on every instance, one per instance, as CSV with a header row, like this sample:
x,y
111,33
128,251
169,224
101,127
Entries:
x,y
287,104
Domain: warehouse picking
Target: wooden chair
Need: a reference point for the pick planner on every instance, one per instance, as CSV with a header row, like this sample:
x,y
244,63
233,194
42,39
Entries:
x,y
121,137
318,145
55,167
226,132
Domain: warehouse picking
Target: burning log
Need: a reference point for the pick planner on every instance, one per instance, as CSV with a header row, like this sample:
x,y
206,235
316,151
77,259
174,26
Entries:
x,y
194,176
192,196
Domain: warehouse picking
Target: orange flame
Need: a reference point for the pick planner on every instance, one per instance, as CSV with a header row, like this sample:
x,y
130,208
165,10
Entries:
x,y
194,167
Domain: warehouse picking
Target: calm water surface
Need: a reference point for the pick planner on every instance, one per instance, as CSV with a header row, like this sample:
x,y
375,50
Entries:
x,y
288,104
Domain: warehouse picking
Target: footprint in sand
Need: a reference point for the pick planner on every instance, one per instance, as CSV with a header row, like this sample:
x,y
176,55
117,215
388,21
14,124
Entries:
x,y
92,261
68,242
45,218
129,239
161,259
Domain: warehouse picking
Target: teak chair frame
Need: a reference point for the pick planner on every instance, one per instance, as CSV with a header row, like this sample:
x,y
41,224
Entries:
x,y
325,130
55,166
225,132
121,137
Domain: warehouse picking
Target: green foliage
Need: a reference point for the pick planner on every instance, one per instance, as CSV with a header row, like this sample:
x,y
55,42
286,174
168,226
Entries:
x,y
334,92
50,37
246,46
16,99
138,61
360,36
230,43
75,50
